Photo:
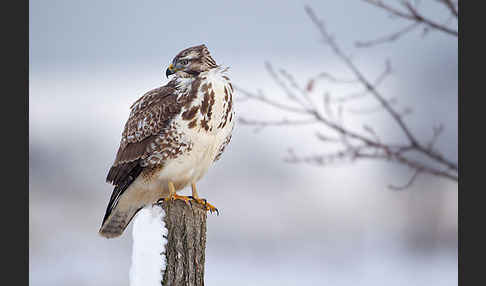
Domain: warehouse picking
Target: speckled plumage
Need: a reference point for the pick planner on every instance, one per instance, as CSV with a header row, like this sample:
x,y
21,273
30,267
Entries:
x,y
174,133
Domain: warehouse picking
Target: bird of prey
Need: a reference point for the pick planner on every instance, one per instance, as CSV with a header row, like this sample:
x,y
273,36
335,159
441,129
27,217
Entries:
x,y
173,135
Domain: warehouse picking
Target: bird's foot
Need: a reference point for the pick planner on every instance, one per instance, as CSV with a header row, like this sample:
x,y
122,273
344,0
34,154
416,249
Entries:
x,y
174,196
205,204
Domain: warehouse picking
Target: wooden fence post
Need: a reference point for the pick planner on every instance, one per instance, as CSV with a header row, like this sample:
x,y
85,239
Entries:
x,y
186,244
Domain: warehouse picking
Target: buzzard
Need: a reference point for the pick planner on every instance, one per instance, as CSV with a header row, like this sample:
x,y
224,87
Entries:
x,y
173,135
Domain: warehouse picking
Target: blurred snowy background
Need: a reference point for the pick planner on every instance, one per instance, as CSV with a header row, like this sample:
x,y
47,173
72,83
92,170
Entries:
x,y
280,224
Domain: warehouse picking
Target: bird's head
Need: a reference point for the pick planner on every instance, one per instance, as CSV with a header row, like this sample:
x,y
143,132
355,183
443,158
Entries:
x,y
192,61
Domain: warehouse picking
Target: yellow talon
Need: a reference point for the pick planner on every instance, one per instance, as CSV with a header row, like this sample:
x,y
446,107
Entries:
x,y
174,196
204,202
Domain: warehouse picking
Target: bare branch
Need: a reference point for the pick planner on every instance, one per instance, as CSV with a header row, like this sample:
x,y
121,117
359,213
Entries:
x,y
275,104
309,102
437,131
412,15
408,184
388,38
384,74
329,77
370,130
327,105
325,138
362,145
351,97
451,6
283,86
371,88
260,124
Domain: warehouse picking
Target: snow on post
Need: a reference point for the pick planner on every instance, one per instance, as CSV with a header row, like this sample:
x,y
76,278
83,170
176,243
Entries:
x,y
169,244
149,242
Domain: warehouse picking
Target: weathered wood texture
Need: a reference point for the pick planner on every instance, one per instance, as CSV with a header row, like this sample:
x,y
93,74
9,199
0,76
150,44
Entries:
x,y
186,244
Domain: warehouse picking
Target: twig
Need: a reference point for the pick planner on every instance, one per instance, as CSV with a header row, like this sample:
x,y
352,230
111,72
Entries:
x,y
451,6
408,184
388,38
260,124
413,15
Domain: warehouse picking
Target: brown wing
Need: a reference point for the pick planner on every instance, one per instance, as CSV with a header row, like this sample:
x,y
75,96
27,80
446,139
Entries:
x,y
148,117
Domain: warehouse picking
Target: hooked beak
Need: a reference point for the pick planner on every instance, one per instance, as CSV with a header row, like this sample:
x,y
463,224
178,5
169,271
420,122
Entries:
x,y
170,70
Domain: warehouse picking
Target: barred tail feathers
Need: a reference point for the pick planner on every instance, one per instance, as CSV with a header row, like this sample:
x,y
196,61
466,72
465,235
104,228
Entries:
x,y
117,221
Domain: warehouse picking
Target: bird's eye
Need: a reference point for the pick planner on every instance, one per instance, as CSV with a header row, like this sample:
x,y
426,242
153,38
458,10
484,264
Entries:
x,y
184,62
